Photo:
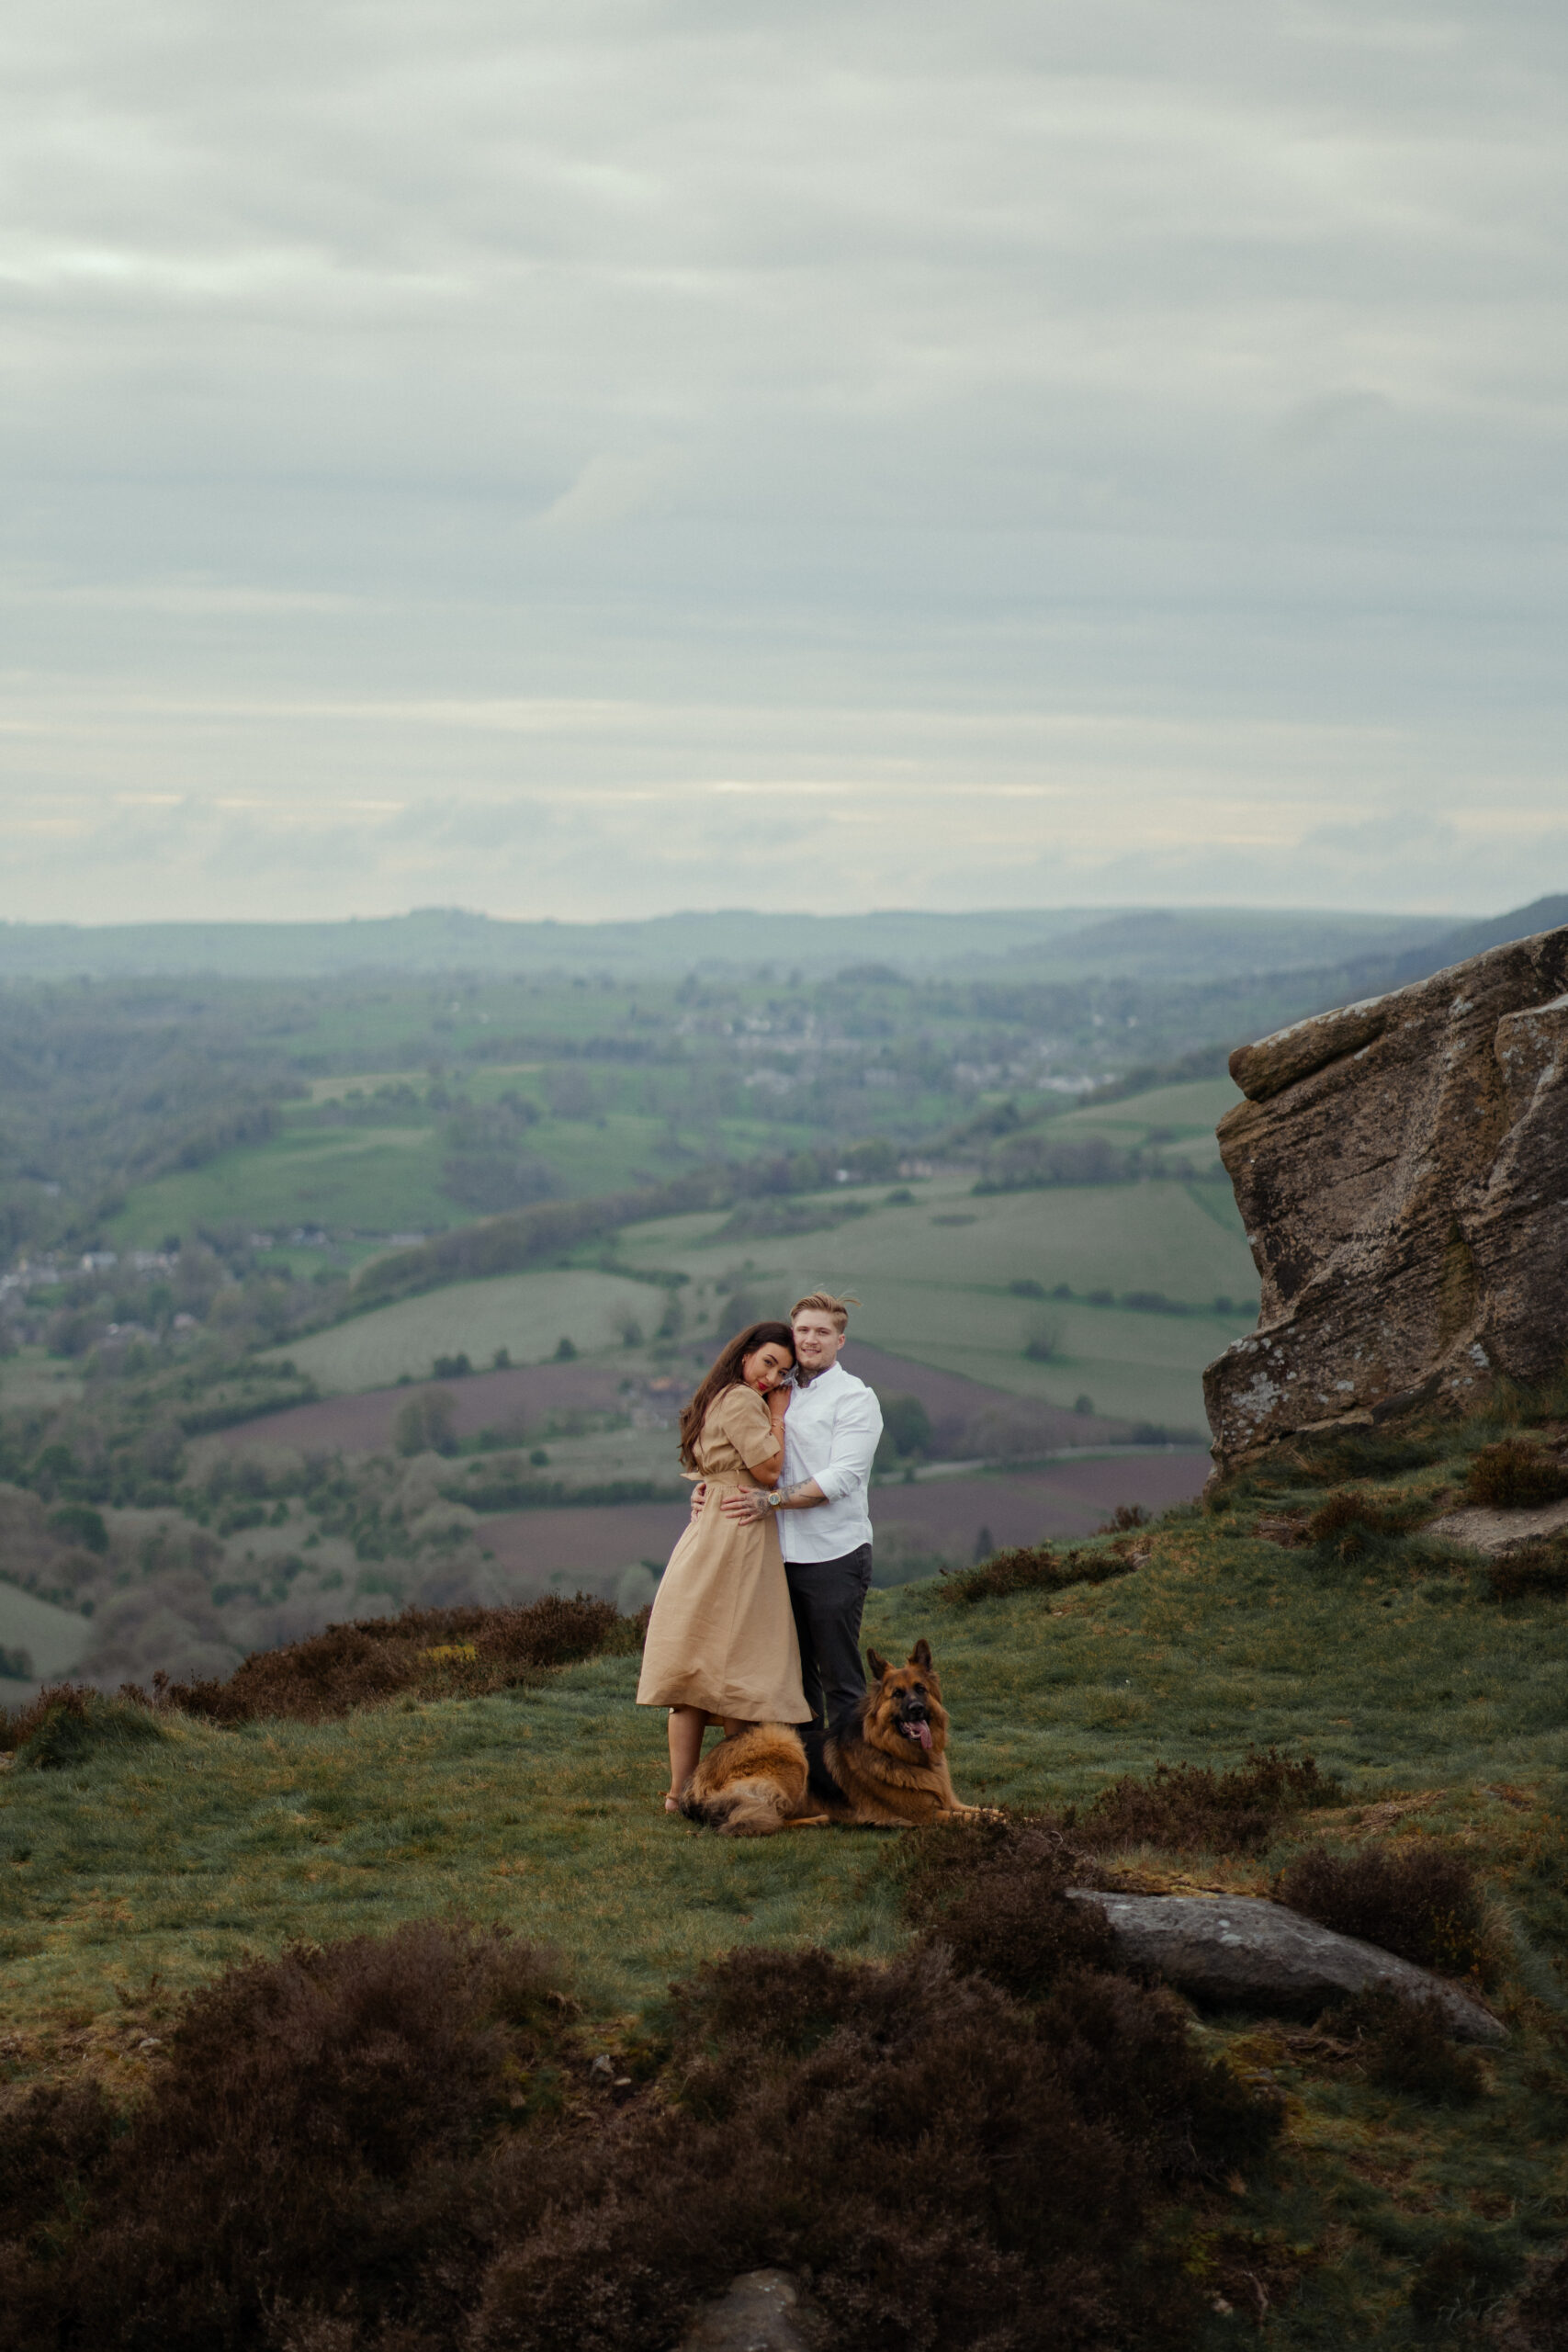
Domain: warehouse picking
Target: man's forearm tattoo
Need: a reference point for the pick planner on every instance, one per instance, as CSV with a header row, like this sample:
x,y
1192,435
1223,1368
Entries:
x,y
781,1495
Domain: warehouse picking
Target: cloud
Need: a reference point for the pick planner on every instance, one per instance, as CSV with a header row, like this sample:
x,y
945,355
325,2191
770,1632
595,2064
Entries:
x,y
1153,415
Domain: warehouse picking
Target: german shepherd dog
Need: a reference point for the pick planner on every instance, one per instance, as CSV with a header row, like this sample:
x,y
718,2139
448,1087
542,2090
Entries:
x,y
883,1762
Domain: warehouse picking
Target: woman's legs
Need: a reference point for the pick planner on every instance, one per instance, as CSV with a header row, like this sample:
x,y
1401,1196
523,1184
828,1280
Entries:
x,y
686,1727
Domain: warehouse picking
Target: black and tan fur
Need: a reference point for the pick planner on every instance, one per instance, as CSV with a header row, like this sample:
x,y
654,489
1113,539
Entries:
x,y
871,1767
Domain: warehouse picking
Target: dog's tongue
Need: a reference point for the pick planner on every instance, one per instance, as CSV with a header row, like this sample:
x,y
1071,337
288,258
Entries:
x,y
922,1732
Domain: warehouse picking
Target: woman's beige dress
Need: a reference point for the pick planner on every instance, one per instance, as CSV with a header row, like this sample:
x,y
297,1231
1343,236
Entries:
x,y
722,1632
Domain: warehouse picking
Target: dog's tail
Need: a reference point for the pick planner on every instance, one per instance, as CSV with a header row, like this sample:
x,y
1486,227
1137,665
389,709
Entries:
x,y
750,1808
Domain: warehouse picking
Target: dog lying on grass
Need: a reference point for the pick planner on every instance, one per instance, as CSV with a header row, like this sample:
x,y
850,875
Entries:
x,y
883,1763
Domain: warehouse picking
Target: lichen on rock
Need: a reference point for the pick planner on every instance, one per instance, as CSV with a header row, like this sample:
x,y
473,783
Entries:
x,y
1401,1168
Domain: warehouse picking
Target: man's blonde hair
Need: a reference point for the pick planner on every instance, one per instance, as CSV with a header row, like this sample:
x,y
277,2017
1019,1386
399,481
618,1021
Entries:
x,y
822,1302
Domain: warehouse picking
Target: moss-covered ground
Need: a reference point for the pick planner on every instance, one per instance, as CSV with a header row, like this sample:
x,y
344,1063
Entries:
x,y
1441,1712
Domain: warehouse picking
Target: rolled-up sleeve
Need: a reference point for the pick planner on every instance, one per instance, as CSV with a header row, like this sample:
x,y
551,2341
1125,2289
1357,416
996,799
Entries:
x,y
857,1425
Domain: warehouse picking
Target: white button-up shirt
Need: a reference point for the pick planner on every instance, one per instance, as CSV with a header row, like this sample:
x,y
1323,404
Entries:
x,y
830,1433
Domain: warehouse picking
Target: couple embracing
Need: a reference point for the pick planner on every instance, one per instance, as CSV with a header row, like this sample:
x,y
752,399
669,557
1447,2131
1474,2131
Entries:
x,y
758,1617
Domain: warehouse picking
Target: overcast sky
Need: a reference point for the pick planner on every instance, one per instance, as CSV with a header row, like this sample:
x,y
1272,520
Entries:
x,y
586,457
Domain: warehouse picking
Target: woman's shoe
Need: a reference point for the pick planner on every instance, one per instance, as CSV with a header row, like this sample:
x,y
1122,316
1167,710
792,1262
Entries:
x,y
672,1805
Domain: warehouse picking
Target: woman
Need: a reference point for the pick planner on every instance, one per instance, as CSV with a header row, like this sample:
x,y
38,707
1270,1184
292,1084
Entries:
x,y
721,1645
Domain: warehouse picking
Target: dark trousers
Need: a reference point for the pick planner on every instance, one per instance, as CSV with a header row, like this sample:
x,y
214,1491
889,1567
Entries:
x,y
828,1598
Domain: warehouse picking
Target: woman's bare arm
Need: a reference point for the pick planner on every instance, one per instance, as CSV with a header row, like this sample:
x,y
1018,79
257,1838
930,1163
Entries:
x,y
768,1474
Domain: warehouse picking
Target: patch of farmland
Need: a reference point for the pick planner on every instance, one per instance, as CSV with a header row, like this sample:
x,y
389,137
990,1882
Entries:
x,y
521,1399
916,1526
938,1277
47,1641
380,1179
527,1315
1178,1121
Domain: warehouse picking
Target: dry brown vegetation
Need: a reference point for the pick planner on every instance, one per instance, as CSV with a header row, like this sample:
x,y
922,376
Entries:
x,y
423,1654
1191,1808
1031,1568
1418,1898
402,2142
1513,1474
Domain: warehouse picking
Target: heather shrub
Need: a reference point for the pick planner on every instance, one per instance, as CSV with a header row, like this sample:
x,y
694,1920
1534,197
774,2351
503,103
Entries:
x,y
1537,1569
1192,1807
1030,1568
69,1722
49,2137
1543,2309
1353,1527
396,2145
309,2136
1417,1899
423,1652
995,1893
1512,1475
947,2164
1462,2280
1407,2046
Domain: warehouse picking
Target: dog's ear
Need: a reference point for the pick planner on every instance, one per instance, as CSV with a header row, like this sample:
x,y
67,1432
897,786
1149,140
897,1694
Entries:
x,y
878,1665
922,1653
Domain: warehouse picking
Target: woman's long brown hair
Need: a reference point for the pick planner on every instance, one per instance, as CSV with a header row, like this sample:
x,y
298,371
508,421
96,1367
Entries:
x,y
725,1373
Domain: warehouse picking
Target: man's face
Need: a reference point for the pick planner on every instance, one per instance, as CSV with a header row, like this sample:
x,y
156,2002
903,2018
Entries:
x,y
816,1342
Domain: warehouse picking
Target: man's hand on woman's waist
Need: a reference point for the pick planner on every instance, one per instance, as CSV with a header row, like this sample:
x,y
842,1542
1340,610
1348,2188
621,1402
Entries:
x,y
756,1503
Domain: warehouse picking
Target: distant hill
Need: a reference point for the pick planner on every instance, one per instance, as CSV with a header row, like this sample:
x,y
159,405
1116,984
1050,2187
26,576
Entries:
x,y
1475,938
1046,943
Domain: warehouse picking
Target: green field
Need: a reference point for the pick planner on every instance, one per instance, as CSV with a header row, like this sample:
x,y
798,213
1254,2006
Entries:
x,y
527,1315
1177,1120
938,1291
53,1639
934,1277
377,1180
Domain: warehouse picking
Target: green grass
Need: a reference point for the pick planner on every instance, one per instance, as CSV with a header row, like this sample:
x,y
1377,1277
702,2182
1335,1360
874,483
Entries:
x,y
525,1313
935,1277
541,1808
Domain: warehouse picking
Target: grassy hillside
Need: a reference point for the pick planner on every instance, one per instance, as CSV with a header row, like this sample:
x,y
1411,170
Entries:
x,y
137,1873
541,1806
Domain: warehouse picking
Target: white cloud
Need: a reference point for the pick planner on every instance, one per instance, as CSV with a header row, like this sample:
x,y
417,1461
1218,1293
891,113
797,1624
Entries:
x,y
1091,444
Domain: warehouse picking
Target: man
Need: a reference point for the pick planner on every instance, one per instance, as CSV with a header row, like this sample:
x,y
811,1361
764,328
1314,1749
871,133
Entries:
x,y
830,1433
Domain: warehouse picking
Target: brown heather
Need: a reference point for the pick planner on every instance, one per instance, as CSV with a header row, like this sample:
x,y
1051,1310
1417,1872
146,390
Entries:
x,y
1030,1568
1193,1808
1513,1474
398,2144
1418,1899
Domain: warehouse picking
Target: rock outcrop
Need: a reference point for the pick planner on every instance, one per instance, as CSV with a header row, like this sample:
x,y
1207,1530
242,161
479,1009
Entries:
x,y
1402,1167
762,2312
1236,1951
